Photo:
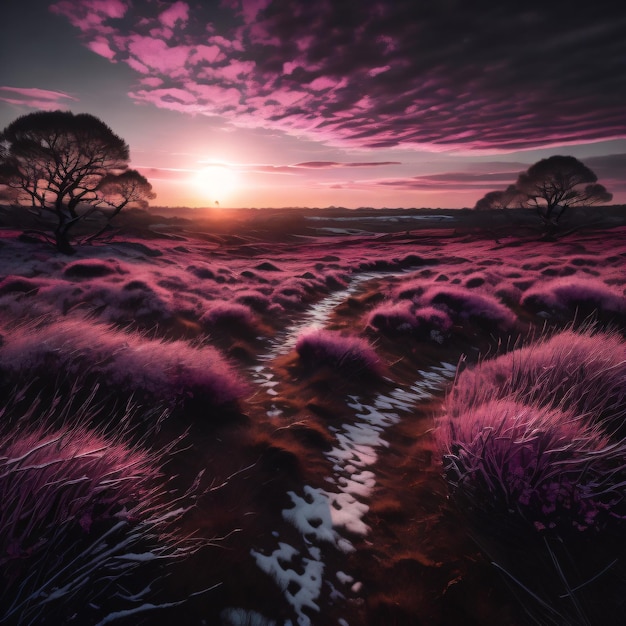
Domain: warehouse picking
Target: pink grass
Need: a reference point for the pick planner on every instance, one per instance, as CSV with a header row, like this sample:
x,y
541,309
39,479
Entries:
x,y
539,431
467,305
341,352
81,512
561,297
229,313
583,371
173,372
405,318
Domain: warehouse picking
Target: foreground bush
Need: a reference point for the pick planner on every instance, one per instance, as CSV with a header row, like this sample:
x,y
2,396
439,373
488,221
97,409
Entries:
x,y
171,372
83,514
533,445
552,468
583,372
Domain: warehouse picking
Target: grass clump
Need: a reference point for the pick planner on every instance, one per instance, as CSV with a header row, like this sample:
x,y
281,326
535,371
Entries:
x,y
346,353
174,373
534,451
84,512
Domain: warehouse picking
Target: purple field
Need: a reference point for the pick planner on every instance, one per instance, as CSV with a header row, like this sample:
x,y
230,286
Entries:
x,y
273,418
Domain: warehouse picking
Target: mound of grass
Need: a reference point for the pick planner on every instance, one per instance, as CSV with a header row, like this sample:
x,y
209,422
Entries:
x,y
83,514
560,297
405,318
231,314
534,451
18,284
344,353
127,364
467,305
552,468
583,372
92,268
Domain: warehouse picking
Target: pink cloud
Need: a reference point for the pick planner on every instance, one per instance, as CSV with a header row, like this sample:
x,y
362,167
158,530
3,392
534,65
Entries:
x,y
323,82
156,55
172,98
236,70
165,173
202,53
101,46
214,95
386,75
35,98
87,14
178,12
151,81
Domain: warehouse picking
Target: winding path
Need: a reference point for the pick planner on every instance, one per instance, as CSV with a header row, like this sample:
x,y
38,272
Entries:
x,y
329,518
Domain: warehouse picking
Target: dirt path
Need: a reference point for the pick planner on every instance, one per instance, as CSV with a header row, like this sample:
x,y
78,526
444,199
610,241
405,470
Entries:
x,y
311,565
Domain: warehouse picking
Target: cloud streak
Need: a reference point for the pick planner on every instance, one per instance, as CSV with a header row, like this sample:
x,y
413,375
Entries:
x,y
36,98
376,74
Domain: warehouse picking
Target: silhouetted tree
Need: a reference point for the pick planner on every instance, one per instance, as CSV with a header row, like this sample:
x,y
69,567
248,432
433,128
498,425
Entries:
x,y
558,182
69,166
550,186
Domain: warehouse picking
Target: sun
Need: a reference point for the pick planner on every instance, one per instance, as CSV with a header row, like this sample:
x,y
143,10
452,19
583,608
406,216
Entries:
x,y
216,183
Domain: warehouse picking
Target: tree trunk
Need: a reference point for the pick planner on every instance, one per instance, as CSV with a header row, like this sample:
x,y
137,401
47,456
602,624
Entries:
x,y
62,239
550,228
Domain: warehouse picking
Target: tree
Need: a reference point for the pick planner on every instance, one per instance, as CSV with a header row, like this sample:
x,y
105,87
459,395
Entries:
x,y
69,166
558,182
550,186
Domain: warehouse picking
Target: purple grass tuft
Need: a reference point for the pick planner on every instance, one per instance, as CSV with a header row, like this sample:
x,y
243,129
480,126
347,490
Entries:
x,y
562,296
342,352
81,513
92,268
581,371
549,466
172,372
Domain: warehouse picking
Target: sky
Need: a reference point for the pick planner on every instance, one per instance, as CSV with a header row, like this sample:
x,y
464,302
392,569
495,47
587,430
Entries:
x,y
274,103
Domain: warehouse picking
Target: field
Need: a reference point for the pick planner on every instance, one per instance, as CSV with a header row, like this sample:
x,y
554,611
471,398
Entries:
x,y
315,417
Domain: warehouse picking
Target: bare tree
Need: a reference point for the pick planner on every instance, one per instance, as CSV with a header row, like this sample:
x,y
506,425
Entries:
x,y
69,166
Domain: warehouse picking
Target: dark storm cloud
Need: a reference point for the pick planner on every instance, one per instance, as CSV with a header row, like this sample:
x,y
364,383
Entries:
x,y
469,73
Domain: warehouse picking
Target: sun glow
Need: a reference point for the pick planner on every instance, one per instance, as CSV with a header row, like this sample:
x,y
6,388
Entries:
x,y
216,183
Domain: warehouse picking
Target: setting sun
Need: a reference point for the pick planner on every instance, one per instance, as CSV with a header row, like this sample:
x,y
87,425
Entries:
x,y
216,183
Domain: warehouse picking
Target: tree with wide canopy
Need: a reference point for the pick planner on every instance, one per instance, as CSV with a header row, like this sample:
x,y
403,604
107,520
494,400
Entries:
x,y
550,186
69,166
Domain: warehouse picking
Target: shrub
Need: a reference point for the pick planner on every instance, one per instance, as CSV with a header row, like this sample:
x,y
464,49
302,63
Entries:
x,y
82,512
393,318
467,305
549,466
173,372
254,299
230,314
92,268
18,284
584,372
562,296
405,318
341,352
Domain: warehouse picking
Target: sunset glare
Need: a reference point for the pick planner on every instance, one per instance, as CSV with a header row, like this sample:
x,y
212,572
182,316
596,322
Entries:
x,y
216,184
